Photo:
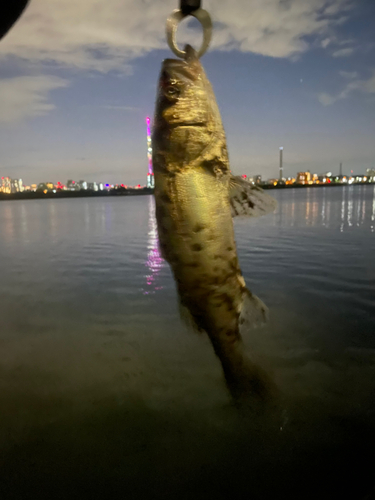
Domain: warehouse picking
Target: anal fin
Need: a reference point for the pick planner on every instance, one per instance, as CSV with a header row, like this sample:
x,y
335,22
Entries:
x,y
254,312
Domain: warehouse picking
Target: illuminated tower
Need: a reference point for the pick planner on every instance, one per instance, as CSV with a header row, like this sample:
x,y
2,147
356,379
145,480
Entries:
x,y
281,163
150,175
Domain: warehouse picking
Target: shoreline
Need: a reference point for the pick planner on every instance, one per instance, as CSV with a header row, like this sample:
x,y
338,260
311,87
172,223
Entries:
x,y
40,195
304,186
37,195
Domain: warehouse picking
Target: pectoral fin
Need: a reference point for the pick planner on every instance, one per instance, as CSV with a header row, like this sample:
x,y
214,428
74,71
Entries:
x,y
247,199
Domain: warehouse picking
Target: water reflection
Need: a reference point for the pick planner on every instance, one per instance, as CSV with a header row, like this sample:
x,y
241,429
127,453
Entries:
x,y
154,261
324,208
343,208
342,211
8,226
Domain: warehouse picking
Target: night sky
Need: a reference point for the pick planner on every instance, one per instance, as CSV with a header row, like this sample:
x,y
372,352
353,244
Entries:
x,y
78,78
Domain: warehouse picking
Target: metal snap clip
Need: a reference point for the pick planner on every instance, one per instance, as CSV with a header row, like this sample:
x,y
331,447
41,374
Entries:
x,y
171,28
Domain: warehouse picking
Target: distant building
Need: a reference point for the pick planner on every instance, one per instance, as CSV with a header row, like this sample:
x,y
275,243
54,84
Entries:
x,y
72,185
6,186
257,179
82,185
323,179
303,178
290,181
42,186
362,178
14,186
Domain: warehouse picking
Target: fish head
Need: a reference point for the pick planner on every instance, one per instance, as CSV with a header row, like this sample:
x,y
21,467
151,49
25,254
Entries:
x,y
187,116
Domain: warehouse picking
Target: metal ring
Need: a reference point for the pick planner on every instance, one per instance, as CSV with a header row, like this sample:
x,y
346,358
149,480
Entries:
x,y
172,23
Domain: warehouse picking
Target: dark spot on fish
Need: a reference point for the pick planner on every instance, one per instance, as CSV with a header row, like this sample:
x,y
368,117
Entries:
x,y
216,280
217,256
160,211
230,249
193,264
165,197
197,247
198,228
215,269
226,299
233,264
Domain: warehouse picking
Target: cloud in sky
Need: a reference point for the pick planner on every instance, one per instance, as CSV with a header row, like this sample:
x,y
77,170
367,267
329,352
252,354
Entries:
x,y
356,84
104,35
26,96
343,52
107,35
349,75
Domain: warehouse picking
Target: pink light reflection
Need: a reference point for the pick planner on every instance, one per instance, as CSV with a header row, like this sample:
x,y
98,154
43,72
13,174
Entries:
x,y
154,261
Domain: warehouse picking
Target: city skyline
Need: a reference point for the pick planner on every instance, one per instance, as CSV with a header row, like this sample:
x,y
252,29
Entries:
x,y
9,185
77,81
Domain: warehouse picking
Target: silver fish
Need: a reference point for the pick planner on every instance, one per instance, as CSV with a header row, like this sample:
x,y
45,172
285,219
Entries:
x,y
196,197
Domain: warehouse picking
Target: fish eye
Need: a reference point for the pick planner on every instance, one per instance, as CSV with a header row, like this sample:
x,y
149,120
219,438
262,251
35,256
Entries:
x,y
172,91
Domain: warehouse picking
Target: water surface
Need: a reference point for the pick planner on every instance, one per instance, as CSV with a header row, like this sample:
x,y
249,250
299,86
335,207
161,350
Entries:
x,y
104,393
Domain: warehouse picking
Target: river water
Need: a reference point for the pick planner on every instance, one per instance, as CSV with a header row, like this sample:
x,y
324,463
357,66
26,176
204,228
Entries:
x,y
105,393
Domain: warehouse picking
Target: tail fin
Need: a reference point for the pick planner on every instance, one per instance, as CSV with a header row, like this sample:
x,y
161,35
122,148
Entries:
x,y
254,312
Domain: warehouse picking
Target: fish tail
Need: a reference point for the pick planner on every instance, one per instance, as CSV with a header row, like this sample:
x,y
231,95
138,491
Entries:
x,y
253,311
247,382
